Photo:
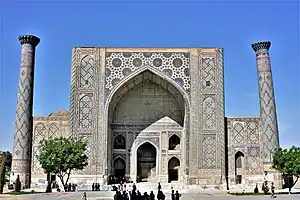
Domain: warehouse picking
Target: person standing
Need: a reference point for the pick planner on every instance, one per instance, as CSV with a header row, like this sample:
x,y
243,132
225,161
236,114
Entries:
x,y
159,187
272,190
84,196
172,195
177,195
152,196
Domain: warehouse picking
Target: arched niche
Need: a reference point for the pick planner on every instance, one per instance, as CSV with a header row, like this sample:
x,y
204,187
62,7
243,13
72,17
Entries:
x,y
174,142
239,167
141,100
173,169
146,161
119,142
119,165
144,92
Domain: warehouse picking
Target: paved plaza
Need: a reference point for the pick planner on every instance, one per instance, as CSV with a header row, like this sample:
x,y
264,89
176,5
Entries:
x,y
102,195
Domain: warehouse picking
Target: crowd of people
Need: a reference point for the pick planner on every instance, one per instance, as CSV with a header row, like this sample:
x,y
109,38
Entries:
x,y
123,194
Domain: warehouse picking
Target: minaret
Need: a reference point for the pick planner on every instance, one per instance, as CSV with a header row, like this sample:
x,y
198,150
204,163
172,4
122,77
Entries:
x,y
268,117
21,156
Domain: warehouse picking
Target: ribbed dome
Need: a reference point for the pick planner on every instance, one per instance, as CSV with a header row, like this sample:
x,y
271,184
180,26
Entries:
x,y
60,112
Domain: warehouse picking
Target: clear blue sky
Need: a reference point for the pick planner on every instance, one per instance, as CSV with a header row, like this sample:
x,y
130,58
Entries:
x,y
232,26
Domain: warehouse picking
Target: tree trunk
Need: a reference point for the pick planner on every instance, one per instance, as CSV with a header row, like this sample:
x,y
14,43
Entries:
x,y
290,188
2,172
2,179
68,176
62,180
48,187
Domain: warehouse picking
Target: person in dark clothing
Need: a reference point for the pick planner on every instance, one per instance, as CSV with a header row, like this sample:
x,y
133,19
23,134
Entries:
x,y
93,187
272,190
177,195
133,187
117,195
134,195
256,189
146,196
125,196
139,195
160,195
114,188
152,196
84,196
172,195
159,187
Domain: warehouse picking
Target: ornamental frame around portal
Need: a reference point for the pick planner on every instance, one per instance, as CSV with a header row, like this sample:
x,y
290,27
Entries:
x,y
90,76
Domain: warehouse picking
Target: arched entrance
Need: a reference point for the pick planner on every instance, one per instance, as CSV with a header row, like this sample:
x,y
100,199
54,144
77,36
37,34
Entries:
x,y
239,167
136,104
173,169
120,167
146,162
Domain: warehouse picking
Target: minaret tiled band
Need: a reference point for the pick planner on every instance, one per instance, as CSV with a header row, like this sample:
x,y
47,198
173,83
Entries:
x,y
21,157
268,115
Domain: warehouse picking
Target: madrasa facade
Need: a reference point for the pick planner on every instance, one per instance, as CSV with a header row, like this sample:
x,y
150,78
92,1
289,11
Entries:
x,y
151,115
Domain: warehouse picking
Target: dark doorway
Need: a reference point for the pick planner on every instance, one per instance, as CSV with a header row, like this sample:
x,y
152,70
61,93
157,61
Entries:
x,y
173,167
146,162
120,168
239,167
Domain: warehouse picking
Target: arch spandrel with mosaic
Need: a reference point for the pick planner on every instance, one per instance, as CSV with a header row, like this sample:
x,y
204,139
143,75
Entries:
x,y
119,65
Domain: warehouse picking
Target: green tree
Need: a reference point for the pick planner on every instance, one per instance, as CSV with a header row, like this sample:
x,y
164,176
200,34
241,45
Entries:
x,y
5,165
62,155
287,161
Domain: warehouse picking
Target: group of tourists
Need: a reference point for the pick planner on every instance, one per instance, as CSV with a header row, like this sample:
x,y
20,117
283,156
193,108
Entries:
x,y
134,194
116,179
71,187
96,187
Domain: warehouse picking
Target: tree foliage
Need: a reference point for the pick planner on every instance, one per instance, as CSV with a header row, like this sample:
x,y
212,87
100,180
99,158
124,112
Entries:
x,y
287,161
5,165
62,155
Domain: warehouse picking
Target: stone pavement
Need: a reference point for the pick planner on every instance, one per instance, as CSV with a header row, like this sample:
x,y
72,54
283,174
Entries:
x,y
108,196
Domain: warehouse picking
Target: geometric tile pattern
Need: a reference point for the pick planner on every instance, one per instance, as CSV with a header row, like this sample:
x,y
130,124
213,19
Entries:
x,y
208,73
53,130
39,133
206,146
209,152
85,112
209,113
23,126
87,139
244,136
86,72
54,125
253,133
21,156
174,65
36,167
267,100
253,161
238,133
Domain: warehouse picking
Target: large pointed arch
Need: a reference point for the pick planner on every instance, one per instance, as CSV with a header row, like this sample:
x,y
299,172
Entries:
x,y
121,89
139,71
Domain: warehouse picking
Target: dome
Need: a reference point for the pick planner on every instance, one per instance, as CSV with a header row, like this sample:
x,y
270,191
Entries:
x,y
60,113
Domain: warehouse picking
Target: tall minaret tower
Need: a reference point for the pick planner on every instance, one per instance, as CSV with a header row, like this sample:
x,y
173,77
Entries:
x,y
268,117
21,157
